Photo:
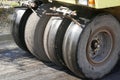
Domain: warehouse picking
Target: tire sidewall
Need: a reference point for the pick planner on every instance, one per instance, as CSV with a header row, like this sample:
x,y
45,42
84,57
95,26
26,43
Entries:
x,y
19,22
35,32
89,70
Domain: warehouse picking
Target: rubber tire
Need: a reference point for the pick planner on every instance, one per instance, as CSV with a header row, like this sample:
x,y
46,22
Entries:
x,y
53,38
69,47
75,42
34,32
19,22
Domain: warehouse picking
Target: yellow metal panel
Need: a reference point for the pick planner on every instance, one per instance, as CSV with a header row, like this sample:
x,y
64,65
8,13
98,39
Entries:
x,y
106,3
67,1
98,3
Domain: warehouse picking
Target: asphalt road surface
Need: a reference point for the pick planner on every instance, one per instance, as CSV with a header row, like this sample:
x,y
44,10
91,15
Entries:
x,y
15,64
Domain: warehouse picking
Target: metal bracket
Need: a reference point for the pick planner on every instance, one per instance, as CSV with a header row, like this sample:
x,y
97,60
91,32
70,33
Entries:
x,y
65,13
62,12
65,16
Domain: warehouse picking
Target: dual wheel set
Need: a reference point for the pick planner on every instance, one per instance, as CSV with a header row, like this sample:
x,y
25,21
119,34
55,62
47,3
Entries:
x,y
90,51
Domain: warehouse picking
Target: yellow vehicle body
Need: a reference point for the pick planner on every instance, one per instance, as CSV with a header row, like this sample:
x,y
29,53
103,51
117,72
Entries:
x,y
98,3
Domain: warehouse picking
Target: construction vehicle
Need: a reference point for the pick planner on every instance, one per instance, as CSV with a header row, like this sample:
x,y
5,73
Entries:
x,y
82,35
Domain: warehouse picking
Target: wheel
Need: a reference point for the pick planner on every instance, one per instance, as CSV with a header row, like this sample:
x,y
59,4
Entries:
x,y
53,38
93,50
20,18
34,32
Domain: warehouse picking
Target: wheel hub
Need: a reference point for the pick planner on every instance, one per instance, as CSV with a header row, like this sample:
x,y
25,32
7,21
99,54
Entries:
x,y
99,46
95,45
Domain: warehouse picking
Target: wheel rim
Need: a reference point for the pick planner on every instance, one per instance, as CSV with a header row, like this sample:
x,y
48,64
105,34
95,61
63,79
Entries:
x,y
99,47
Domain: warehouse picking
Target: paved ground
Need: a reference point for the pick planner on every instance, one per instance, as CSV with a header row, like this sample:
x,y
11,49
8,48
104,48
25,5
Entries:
x,y
15,64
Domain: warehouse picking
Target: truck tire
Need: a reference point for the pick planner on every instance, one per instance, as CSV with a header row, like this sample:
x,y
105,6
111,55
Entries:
x,y
34,32
93,51
53,38
20,18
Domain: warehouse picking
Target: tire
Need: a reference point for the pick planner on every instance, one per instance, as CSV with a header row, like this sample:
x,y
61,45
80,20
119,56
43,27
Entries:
x,y
20,18
34,32
92,51
53,38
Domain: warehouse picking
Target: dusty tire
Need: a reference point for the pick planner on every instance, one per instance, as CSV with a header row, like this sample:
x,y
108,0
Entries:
x,y
105,29
70,43
20,19
34,32
53,38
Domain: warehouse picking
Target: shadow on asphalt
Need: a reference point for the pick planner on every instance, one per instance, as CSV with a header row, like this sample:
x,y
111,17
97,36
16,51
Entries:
x,y
10,55
14,54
